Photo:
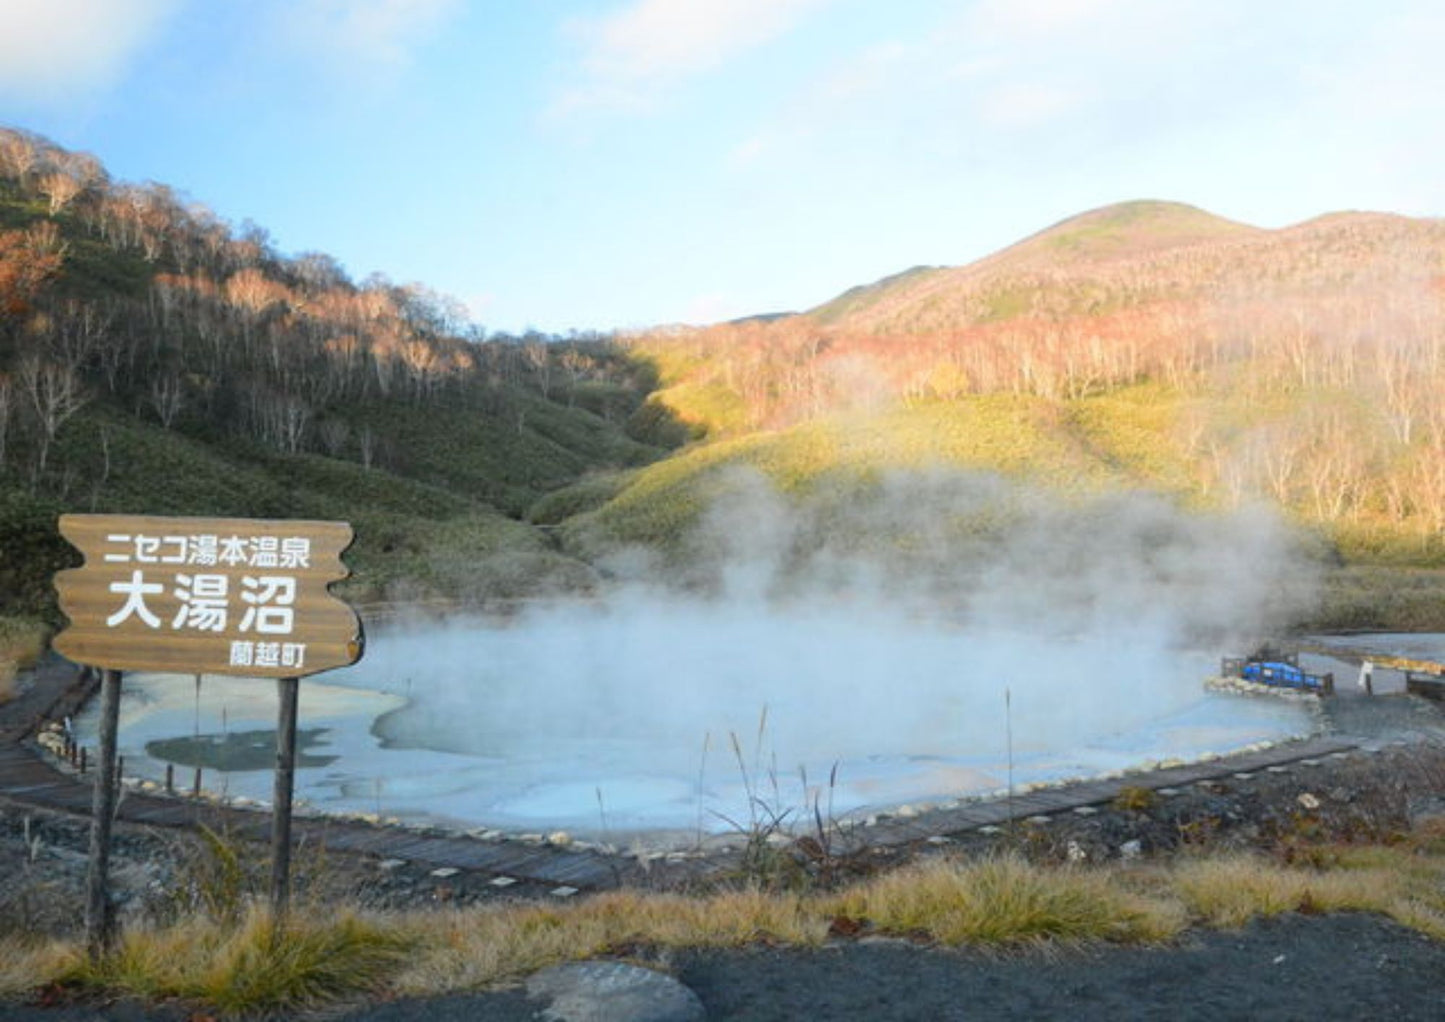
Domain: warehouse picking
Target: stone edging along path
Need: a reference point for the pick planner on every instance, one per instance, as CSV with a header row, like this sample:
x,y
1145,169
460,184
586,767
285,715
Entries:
x,y
56,688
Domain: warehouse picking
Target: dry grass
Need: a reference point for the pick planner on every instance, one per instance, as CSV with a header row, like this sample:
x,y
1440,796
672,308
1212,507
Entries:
x,y
25,965
1008,901
248,967
232,964
1230,890
22,640
481,947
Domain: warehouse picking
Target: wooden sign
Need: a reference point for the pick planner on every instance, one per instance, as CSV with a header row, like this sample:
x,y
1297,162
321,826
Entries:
x,y
207,596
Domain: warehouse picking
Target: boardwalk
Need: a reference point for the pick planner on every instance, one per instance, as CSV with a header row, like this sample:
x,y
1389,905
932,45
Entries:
x,y
28,777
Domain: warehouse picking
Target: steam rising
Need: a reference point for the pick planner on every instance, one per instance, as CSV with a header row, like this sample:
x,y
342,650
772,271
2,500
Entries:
x,y
874,626
879,626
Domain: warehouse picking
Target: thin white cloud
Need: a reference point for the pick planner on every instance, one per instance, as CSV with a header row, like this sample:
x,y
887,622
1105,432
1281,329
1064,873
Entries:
x,y
53,52
366,34
647,45
1025,21
1028,103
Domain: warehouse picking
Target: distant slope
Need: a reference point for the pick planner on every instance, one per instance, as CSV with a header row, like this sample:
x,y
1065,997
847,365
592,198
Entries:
x,y
1142,346
1122,256
1122,230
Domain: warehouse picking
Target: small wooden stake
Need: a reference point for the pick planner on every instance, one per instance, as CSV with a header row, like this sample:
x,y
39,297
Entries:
x,y
287,689
99,913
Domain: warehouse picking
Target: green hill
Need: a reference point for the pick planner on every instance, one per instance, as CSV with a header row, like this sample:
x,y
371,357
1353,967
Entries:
x,y
152,359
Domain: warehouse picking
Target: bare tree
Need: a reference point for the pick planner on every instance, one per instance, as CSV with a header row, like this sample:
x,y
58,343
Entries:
x,y
55,395
167,394
366,441
540,359
7,401
60,188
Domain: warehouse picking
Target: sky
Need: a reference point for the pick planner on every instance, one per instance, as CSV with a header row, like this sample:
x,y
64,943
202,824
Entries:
x,y
601,164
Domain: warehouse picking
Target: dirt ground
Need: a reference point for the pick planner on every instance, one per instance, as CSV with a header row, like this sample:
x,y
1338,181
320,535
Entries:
x,y
1317,968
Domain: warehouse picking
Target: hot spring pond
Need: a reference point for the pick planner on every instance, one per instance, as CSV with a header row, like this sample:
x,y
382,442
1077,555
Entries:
x,y
660,720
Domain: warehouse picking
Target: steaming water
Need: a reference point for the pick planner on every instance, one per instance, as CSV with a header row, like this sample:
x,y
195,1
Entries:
x,y
659,719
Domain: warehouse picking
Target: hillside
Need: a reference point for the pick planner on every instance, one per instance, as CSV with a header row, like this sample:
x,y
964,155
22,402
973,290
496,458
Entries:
x,y
1078,249
155,359
1147,347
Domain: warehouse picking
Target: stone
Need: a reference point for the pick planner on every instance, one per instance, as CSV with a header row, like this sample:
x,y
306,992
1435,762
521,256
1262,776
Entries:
x,y
1308,801
387,865
562,892
1131,849
503,881
612,992
1085,810
443,872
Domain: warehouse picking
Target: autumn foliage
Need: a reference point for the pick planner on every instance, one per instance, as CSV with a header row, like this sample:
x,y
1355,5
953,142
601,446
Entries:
x,y
1304,365
133,295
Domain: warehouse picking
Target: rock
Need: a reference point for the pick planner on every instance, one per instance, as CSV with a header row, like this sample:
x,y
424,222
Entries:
x,y
1131,849
1308,801
612,992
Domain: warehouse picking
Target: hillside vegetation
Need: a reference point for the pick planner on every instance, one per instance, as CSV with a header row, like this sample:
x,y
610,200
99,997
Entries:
x,y
155,359
1146,346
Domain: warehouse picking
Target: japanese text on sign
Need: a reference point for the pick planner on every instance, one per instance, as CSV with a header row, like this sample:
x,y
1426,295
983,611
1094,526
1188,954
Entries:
x,y
246,595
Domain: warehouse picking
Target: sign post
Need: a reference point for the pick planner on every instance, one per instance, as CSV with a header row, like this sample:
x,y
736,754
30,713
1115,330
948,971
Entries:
x,y
99,917
203,596
286,688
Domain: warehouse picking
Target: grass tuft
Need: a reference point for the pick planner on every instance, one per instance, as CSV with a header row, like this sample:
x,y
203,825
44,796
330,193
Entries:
x,y
482,947
250,967
1008,901
1230,890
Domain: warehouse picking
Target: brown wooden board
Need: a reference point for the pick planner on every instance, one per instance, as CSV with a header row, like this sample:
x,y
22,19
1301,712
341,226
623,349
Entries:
x,y
233,596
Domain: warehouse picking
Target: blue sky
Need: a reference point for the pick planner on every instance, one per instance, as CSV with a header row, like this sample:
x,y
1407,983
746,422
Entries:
x,y
593,164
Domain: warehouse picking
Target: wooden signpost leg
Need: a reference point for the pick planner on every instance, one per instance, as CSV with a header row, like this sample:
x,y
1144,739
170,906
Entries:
x,y
99,918
281,805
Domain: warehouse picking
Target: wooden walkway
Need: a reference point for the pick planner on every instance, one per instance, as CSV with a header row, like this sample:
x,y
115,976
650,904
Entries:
x,y
29,777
